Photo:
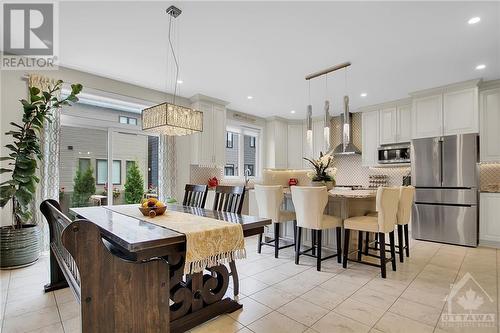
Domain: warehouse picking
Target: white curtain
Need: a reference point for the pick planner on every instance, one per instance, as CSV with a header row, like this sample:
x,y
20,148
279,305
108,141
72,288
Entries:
x,y
167,171
48,167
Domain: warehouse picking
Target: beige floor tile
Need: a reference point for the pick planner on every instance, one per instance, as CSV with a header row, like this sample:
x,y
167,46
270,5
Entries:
x,y
310,330
54,328
323,297
276,323
249,285
416,311
291,269
31,320
340,287
273,297
393,323
303,311
359,278
252,310
334,322
295,285
221,324
15,308
63,296
435,298
271,276
362,312
73,325
387,286
38,279
69,310
374,298
245,330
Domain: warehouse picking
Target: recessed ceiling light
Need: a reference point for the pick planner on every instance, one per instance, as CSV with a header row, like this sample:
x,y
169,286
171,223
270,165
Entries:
x,y
250,97
474,20
363,94
180,81
293,111
481,66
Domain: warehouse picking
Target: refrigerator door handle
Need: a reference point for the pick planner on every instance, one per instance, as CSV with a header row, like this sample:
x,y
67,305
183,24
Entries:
x,y
440,147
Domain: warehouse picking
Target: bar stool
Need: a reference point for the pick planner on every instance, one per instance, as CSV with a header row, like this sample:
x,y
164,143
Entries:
x,y
310,203
387,209
269,201
406,196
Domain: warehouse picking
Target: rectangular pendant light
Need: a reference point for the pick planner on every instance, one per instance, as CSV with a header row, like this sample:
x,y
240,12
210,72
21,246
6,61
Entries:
x,y
172,119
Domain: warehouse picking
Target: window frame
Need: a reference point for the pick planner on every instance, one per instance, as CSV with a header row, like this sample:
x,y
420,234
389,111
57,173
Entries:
x,y
229,142
231,167
84,159
243,129
113,174
253,139
127,120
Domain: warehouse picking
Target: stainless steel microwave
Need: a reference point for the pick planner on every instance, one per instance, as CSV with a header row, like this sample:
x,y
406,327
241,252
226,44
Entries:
x,y
394,154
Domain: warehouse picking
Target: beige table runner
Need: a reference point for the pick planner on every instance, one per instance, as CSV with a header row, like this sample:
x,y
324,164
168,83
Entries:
x,y
209,242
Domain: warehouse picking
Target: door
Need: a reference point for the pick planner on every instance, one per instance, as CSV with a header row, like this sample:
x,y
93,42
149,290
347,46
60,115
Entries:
x,y
459,160
460,112
370,138
445,223
426,162
388,126
404,123
427,117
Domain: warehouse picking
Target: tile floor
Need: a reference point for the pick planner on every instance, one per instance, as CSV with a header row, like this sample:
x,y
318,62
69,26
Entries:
x,y
279,296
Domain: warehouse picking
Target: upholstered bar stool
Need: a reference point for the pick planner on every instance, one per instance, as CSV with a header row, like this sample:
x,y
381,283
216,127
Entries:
x,y
269,202
387,209
310,203
406,195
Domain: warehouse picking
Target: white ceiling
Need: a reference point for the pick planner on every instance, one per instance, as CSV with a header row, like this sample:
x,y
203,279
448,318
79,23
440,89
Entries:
x,y
230,50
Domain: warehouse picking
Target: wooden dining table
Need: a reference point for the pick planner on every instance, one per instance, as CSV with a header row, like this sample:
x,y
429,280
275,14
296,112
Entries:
x,y
194,298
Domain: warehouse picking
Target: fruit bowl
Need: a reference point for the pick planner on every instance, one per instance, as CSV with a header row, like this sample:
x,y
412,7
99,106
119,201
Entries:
x,y
153,211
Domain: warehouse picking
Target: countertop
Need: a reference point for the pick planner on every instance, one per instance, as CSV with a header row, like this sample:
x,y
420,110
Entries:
x,y
347,194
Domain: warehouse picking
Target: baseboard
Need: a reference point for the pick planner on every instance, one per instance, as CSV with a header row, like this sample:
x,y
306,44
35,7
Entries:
x,y
489,243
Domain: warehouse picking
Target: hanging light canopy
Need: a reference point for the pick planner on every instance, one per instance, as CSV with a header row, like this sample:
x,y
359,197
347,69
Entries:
x,y
169,118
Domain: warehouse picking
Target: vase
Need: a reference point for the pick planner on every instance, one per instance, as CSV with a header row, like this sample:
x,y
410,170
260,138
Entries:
x,y
329,184
19,247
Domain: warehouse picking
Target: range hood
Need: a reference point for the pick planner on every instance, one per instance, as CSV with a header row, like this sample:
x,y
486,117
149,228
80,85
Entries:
x,y
346,147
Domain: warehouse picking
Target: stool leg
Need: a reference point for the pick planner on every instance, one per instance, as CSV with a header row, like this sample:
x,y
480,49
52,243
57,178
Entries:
x,y
319,234
407,240
393,250
381,238
367,242
346,247
400,243
297,245
294,232
339,245
259,244
276,239
360,244
313,242
376,241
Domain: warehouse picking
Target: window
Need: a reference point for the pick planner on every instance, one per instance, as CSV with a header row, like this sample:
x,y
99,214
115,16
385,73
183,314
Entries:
x,y
250,168
243,152
128,165
229,170
102,172
229,140
83,164
128,120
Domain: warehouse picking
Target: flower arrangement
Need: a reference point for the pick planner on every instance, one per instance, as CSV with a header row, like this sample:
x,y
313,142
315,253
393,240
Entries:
x,y
322,172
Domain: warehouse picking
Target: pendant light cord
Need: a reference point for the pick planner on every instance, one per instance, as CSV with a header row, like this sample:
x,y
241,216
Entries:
x,y
175,58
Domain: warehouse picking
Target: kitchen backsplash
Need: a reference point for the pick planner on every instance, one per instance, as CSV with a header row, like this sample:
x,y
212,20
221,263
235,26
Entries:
x,y
490,175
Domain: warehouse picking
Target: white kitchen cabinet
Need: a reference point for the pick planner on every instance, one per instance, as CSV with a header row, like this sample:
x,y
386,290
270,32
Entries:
x,y
490,125
370,137
427,116
276,143
460,112
388,126
208,146
295,139
489,221
404,123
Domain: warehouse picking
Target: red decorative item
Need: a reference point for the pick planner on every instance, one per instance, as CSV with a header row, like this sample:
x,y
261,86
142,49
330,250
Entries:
x,y
213,182
293,181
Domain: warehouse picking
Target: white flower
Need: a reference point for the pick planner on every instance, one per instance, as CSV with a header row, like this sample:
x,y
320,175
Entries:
x,y
332,172
325,160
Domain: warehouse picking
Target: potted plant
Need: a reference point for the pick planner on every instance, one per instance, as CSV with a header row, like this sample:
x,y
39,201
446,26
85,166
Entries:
x,y
20,242
323,174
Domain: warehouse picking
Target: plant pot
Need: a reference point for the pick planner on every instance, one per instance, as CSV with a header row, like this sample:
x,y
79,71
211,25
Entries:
x,y
329,184
19,247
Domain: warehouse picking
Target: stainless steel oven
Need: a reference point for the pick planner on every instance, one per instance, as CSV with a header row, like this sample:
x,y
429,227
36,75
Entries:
x,y
394,154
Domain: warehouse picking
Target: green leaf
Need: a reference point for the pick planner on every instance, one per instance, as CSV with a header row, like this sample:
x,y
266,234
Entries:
x,y
4,170
16,125
6,158
76,88
34,91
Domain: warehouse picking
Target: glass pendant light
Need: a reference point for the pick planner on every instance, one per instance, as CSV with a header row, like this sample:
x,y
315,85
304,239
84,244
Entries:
x,y
309,132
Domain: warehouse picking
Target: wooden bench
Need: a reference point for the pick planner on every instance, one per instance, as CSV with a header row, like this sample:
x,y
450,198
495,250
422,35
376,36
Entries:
x,y
116,293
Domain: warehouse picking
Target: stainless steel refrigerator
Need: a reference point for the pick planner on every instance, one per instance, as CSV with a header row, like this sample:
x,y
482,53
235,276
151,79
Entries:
x,y
445,174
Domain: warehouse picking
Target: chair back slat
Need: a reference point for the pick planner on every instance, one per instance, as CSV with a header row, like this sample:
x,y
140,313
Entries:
x,y
195,195
229,199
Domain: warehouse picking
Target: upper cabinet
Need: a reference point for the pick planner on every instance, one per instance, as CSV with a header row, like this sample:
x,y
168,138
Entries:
x,y
209,145
490,123
395,124
276,143
404,123
446,110
370,137
295,139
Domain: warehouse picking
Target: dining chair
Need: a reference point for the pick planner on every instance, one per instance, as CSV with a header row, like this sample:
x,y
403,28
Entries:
x,y
229,199
403,218
310,203
269,204
387,202
195,195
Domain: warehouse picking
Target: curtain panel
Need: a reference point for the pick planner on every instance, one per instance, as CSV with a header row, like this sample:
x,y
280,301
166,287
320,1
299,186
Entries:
x,y
167,171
